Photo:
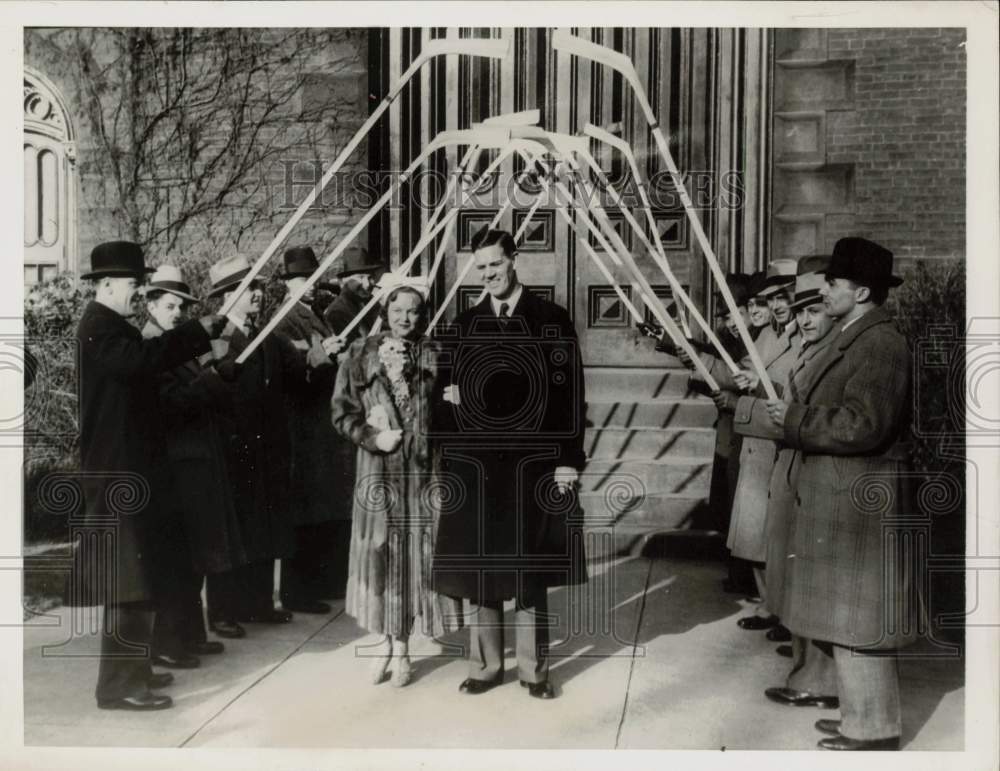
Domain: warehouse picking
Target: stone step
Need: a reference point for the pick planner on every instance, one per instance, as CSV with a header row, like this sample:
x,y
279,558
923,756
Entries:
x,y
671,474
655,510
648,444
659,413
609,384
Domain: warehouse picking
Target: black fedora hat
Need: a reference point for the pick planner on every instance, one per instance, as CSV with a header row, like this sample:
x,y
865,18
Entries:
x,y
809,280
863,262
356,260
117,258
299,261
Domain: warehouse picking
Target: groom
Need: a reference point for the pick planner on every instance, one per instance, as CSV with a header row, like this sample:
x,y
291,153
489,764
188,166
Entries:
x,y
513,450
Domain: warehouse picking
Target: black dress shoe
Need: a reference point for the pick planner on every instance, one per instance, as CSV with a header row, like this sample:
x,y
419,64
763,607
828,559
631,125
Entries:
x,y
206,648
159,680
228,629
779,633
144,702
828,726
474,687
792,698
272,616
756,623
784,650
182,661
542,690
307,606
863,745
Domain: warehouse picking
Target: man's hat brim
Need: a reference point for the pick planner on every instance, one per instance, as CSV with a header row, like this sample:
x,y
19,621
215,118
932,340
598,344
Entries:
x,y
116,273
890,281
229,283
170,290
354,270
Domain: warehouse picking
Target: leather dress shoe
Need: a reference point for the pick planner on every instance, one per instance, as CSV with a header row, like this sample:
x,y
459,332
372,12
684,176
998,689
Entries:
x,y
159,680
542,690
756,623
474,687
792,698
307,606
182,661
779,633
206,648
784,650
828,726
229,629
272,616
863,745
143,702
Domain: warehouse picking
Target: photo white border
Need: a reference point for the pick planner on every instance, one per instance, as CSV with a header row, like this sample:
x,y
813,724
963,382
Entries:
x,y
983,261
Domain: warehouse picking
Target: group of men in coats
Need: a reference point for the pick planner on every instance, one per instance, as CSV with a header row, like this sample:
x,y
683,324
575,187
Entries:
x,y
809,466
190,462
163,406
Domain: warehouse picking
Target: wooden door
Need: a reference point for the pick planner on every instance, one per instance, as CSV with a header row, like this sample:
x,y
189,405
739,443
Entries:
x,y
709,91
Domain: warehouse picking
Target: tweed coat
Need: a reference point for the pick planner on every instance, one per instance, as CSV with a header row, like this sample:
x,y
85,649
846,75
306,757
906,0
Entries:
x,y
258,452
318,481
850,429
397,497
123,454
521,415
751,419
748,527
190,396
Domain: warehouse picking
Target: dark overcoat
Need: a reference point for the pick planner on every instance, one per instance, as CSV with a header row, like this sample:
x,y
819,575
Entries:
x,y
122,454
398,495
191,397
344,308
521,415
845,582
317,482
259,444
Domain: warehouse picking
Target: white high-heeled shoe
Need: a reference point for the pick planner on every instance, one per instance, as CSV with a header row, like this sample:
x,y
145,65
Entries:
x,y
402,671
380,665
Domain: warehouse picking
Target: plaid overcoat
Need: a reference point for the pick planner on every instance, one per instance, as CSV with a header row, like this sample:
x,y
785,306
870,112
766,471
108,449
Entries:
x,y
845,582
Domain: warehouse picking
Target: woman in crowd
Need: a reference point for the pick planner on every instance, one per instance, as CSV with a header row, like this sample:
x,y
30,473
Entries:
x,y
382,402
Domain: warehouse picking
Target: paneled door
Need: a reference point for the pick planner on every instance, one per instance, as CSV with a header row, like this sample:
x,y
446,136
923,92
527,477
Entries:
x,y
709,90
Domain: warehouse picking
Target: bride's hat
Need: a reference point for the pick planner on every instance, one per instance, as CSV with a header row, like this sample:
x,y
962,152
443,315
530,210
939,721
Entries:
x,y
391,281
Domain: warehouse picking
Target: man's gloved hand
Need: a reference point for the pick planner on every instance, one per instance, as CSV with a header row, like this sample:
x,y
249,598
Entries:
x,y
317,356
228,369
725,401
746,379
213,324
451,395
334,345
565,478
686,360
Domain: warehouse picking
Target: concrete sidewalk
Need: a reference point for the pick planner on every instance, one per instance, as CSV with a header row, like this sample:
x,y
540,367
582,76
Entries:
x,y
651,658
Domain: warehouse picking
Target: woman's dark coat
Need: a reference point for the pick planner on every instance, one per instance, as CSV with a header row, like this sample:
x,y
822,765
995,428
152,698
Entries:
x,y
521,414
123,460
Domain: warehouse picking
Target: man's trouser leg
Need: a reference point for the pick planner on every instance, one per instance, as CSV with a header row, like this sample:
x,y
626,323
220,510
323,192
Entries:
x,y
814,670
302,576
125,649
226,596
260,583
532,641
869,694
486,641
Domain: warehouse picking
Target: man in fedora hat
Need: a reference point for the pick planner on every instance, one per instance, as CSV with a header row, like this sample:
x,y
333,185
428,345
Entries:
x,y
122,450
206,538
318,567
849,427
358,274
256,426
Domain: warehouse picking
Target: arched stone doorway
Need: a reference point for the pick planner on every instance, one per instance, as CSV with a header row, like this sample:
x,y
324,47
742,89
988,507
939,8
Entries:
x,y
49,181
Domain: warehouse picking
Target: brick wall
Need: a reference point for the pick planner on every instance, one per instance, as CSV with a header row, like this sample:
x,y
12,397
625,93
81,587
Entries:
x,y
905,136
869,139
333,77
